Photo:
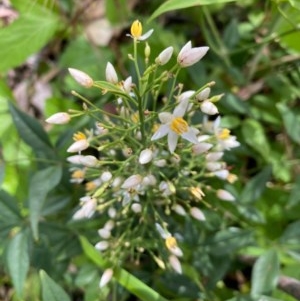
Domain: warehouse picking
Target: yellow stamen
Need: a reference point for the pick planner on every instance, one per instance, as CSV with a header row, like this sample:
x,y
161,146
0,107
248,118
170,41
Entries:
x,y
89,186
197,193
79,136
78,174
171,242
231,178
224,134
136,29
179,125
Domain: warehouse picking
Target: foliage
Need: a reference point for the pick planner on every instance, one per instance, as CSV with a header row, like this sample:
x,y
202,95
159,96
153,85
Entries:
x,y
254,60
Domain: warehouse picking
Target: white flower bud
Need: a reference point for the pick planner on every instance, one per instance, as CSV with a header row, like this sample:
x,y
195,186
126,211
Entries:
x,y
208,108
146,156
109,225
175,264
149,180
127,84
214,156
59,118
112,212
111,74
164,56
132,182
106,277
136,207
106,176
204,94
102,245
89,161
221,174
78,146
76,159
104,233
197,214
179,209
160,163
213,166
185,95
188,56
225,195
201,148
82,78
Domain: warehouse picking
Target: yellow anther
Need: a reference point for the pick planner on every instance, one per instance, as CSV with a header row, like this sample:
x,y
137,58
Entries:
x,y
90,186
224,134
78,174
171,242
179,126
79,136
197,193
136,29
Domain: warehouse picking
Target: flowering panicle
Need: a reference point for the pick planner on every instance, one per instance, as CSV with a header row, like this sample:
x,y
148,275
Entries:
x,y
148,159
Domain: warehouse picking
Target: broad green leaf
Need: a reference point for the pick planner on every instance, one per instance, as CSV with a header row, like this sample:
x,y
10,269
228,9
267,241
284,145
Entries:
x,y
291,121
18,260
8,208
40,184
255,136
26,35
256,186
294,198
32,133
291,235
179,4
265,274
130,282
51,291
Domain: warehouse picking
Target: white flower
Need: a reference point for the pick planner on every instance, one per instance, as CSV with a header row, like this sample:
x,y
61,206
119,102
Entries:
x,y
111,74
132,182
175,264
197,214
164,56
208,108
146,156
136,31
88,208
82,78
174,126
106,277
189,56
59,118
225,195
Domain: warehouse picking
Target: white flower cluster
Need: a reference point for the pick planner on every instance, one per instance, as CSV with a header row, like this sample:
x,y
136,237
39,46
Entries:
x,y
132,175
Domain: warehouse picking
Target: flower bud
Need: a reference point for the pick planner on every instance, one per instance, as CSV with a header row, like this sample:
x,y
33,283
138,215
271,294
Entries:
x,y
225,195
201,148
89,161
110,74
78,146
104,233
59,118
179,209
164,56
214,156
175,264
136,208
106,176
204,94
136,29
106,277
82,78
208,108
147,51
197,214
132,182
102,245
146,156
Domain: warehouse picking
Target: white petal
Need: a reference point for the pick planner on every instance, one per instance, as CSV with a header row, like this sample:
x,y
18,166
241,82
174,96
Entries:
x,y
181,108
165,117
184,49
172,141
204,94
111,74
163,233
146,35
162,131
190,136
186,94
78,146
175,264
164,56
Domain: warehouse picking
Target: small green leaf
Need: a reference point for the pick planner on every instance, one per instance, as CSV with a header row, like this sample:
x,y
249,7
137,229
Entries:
x,y
51,291
265,274
255,136
179,4
291,121
32,133
130,282
294,198
18,260
256,186
9,209
41,183
26,35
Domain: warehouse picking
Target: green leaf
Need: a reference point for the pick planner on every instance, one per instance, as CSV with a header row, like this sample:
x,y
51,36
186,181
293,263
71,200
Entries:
x,y
265,274
291,235
256,186
130,282
294,198
116,11
179,4
32,133
51,291
291,121
41,183
26,35
255,136
18,260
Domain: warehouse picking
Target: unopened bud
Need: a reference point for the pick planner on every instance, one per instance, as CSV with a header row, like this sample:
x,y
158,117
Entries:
x,y
59,118
82,78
